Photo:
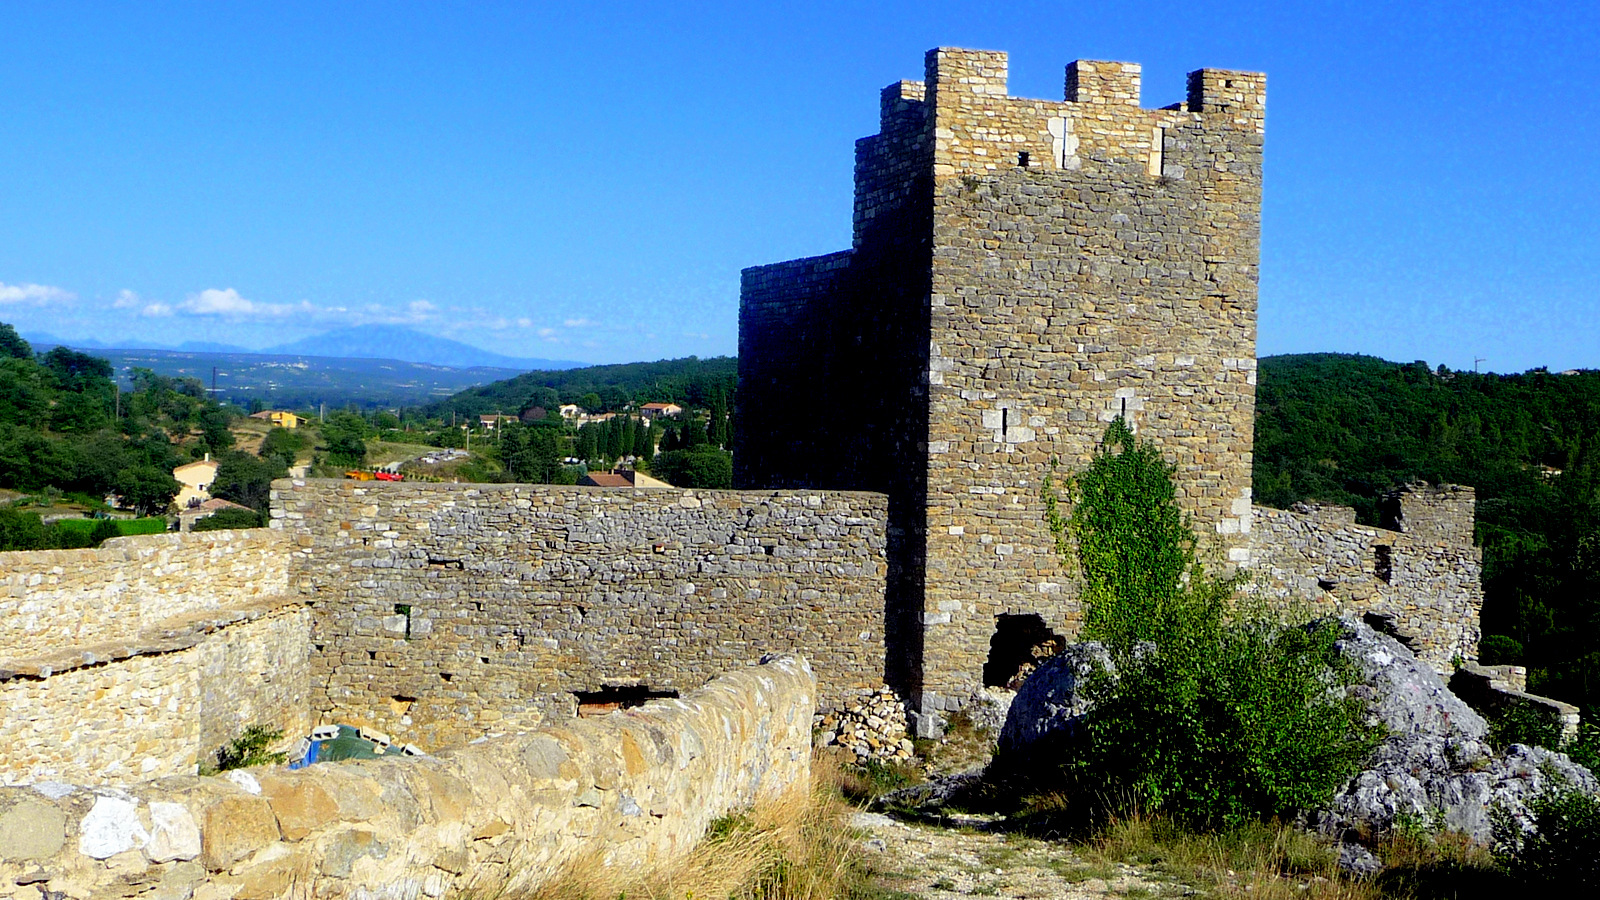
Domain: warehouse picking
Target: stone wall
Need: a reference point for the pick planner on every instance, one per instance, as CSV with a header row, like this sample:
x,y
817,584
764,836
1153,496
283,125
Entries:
x,y
443,610
55,599
1421,578
627,791
1022,272
138,659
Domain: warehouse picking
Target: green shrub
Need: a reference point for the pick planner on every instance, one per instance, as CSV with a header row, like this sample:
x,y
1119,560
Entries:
x,y
1499,650
1524,723
250,749
1564,849
224,519
1212,716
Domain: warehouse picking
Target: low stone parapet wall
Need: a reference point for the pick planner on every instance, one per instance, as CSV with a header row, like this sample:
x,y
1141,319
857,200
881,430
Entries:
x,y
628,790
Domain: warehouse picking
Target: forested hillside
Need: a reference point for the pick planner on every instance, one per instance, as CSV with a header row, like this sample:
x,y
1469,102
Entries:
x,y
690,381
1341,429
69,439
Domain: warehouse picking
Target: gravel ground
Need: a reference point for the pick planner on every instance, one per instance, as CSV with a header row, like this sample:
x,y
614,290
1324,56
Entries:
x,y
972,857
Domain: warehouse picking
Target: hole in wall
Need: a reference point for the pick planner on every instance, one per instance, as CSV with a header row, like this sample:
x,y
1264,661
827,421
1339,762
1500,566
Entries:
x,y
1326,585
614,697
447,677
401,705
1022,159
1384,623
1383,562
1019,644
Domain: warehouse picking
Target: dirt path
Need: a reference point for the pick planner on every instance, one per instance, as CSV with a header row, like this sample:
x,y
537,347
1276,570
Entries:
x,y
970,857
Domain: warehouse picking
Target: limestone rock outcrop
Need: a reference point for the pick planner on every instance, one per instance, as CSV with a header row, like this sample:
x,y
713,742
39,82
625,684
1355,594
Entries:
x,y
1435,769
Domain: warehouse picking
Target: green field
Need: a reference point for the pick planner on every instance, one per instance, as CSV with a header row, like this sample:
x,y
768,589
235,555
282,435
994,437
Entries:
x,y
149,525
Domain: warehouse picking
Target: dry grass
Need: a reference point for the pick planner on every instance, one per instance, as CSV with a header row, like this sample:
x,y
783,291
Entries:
x,y
797,846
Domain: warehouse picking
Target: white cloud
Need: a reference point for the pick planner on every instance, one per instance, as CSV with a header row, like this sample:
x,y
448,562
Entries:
x,y
228,302
577,323
36,294
421,307
546,332
524,322
126,299
156,309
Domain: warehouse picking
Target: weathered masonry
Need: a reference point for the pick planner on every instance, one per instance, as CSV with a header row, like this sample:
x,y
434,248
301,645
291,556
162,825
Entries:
x,y
1022,272
442,611
134,660
1417,577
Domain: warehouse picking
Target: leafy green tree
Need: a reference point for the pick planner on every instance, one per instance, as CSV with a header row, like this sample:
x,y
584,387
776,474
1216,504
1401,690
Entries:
x,y
24,398
344,436
1207,719
214,422
74,371
698,467
80,413
147,489
12,345
247,480
20,530
283,445
590,402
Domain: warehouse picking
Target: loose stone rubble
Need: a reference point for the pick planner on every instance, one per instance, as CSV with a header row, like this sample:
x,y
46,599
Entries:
x,y
872,726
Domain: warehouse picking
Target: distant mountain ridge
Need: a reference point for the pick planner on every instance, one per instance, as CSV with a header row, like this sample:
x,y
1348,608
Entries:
x,y
394,342
390,342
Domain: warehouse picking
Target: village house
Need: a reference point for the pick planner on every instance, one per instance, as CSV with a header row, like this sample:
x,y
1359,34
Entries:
x,y
195,481
278,417
654,411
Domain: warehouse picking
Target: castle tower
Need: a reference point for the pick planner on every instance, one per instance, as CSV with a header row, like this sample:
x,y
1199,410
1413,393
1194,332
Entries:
x,y
1022,273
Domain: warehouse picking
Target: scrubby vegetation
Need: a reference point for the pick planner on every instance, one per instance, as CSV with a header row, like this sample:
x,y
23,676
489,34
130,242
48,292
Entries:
x,y
1211,715
251,748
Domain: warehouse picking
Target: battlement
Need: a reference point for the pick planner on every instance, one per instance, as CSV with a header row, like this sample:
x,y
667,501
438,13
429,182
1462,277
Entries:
x,y
1096,81
1440,514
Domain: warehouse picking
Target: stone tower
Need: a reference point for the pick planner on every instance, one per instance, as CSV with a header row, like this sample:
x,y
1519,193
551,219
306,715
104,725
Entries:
x,y
1022,272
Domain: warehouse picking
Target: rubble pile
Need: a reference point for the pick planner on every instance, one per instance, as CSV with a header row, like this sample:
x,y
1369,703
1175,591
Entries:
x,y
872,726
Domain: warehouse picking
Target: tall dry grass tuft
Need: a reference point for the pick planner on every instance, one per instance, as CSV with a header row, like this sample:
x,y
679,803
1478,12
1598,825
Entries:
x,y
796,846
1263,861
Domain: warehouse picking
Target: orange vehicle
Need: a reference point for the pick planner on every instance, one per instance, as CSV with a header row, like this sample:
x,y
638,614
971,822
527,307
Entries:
x,y
359,475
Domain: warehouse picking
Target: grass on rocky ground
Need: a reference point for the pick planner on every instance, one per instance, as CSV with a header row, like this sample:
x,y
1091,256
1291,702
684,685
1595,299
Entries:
x,y
799,846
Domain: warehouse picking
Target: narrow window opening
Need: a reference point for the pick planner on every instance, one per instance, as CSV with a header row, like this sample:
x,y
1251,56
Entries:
x,y
610,698
1022,159
1005,422
1155,152
1020,643
404,609
1383,563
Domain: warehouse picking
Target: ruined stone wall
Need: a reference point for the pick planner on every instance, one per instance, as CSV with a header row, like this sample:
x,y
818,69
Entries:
x,y
55,599
442,610
489,819
161,710
138,659
1424,581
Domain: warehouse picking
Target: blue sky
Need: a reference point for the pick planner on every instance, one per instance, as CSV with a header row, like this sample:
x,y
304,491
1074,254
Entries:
x,y
585,181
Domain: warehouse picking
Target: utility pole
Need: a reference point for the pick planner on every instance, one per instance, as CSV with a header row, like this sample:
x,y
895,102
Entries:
x,y
213,382
1475,361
